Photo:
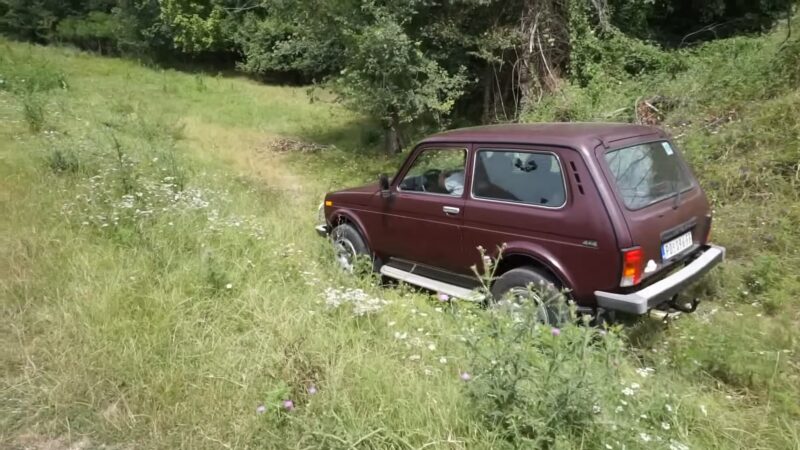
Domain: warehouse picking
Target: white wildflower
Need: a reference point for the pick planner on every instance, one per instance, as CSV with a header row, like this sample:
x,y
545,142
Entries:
x,y
229,286
443,360
665,426
645,437
703,410
414,357
645,372
628,392
360,301
675,445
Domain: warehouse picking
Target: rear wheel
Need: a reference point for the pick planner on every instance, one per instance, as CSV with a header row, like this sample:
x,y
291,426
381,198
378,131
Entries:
x,y
349,248
515,288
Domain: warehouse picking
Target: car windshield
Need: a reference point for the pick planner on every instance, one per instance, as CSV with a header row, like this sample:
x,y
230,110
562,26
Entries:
x,y
647,173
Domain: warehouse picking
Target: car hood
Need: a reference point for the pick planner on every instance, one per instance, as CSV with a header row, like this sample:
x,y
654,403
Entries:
x,y
360,195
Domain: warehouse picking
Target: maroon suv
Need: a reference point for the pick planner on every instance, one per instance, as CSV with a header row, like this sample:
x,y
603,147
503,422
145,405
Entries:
x,y
610,212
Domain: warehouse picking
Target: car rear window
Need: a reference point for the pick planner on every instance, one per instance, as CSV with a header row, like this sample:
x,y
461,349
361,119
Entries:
x,y
648,173
531,178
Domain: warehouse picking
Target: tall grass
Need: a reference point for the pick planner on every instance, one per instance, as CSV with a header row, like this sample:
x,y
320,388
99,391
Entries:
x,y
161,287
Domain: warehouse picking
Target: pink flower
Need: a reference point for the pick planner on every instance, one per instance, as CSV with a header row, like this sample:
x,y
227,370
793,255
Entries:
x,y
288,405
311,390
261,409
465,376
443,297
555,331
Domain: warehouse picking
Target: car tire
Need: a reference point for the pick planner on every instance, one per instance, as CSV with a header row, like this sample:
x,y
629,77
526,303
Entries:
x,y
550,303
348,247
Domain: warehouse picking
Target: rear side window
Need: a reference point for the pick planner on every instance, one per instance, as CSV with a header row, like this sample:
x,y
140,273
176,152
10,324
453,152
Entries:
x,y
521,177
647,173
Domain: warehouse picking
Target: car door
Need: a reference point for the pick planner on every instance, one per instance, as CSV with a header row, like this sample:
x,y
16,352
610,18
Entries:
x,y
421,220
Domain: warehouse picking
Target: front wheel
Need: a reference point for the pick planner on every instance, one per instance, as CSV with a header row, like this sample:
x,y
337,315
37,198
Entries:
x,y
527,287
348,247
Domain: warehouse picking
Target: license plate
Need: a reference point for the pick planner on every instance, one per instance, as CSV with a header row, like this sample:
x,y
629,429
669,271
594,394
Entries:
x,y
676,246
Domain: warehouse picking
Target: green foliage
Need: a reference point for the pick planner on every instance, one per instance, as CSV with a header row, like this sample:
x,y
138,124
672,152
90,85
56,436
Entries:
x,y
277,43
387,74
598,51
33,111
195,26
32,82
63,161
97,30
30,19
537,385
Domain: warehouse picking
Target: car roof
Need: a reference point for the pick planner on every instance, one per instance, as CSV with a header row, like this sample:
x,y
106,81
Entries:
x,y
577,135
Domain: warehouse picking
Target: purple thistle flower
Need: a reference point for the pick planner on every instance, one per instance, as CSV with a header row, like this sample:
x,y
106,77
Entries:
x,y
261,409
465,376
555,331
288,405
311,390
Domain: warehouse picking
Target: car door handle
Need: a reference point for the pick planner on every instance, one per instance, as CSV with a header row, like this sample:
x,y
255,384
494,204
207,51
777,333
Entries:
x,y
451,210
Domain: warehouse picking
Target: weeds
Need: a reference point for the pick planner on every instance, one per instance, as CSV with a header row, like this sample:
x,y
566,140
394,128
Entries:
x,y
33,111
63,161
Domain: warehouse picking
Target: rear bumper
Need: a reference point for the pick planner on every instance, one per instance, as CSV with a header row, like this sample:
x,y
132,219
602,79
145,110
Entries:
x,y
322,230
640,302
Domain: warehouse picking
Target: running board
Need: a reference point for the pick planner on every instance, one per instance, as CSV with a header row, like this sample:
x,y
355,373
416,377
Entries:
x,y
429,283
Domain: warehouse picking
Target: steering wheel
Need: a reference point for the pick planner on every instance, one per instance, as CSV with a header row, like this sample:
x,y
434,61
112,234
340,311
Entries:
x,y
431,180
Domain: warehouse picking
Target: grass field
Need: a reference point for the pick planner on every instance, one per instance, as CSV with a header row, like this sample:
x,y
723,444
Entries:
x,y
160,282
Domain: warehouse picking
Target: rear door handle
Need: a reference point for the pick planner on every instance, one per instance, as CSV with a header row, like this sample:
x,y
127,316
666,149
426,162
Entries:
x,y
451,210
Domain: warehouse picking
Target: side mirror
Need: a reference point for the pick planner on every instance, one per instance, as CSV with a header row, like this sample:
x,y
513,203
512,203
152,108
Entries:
x,y
383,183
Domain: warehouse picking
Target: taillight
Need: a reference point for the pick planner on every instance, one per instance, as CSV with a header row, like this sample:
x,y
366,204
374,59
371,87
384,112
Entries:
x,y
632,259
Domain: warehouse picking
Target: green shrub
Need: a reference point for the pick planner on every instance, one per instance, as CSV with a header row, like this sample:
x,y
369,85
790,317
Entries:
x,y
63,161
537,385
29,77
97,30
33,111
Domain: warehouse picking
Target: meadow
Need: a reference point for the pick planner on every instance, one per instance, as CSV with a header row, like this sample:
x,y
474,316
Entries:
x,y
161,285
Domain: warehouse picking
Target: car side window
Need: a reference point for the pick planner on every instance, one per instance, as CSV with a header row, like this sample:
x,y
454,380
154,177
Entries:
x,y
437,171
532,178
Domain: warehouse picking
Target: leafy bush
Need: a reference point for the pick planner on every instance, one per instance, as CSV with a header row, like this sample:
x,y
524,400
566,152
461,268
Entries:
x,y
97,30
24,77
538,385
33,111
63,161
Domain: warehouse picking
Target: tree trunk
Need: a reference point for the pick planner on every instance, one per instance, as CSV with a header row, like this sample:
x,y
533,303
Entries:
x,y
392,141
543,49
488,87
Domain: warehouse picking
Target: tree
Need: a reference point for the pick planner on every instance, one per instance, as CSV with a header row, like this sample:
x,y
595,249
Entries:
x,y
371,54
388,75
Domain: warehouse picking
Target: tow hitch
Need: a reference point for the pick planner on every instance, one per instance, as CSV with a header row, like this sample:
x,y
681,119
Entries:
x,y
684,307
